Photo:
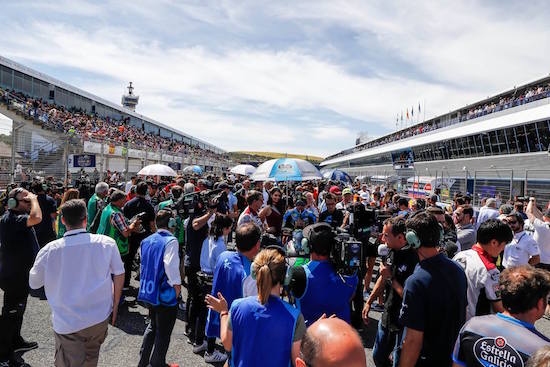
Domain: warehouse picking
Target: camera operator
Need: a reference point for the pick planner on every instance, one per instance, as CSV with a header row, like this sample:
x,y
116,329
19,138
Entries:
x,y
331,215
399,265
196,233
316,286
141,208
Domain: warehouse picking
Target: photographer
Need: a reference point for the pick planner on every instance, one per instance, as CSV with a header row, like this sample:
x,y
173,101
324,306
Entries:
x,y
197,232
138,207
316,286
398,266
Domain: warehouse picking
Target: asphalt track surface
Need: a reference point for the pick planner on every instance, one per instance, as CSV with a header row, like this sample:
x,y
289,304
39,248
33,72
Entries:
x,y
121,348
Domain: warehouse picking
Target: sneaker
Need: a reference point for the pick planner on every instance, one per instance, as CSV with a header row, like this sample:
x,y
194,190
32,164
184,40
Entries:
x,y
215,357
200,348
25,346
366,295
377,307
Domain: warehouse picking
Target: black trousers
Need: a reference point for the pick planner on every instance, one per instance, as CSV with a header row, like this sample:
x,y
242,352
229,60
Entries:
x,y
134,241
194,305
156,338
15,302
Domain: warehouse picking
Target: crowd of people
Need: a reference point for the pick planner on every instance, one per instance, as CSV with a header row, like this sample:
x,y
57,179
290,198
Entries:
x,y
90,126
514,99
461,287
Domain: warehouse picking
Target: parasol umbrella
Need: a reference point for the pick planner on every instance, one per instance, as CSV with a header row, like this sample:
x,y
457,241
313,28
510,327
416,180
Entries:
x,y
336,175
157,170
243,169
193,169
286,169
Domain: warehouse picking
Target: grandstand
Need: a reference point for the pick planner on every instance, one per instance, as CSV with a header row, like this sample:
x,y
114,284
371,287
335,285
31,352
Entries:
x,y
54,121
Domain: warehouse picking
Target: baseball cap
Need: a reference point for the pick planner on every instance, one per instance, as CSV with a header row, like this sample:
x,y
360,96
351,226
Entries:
x,y
319,233
335,190
346,191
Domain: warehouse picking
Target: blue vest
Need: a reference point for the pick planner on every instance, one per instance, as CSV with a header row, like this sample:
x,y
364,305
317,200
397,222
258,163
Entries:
x,y
153,285
259,330
231,270
326,292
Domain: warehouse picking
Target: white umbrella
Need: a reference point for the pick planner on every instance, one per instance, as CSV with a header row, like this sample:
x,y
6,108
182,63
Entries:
x,y
286,169
157,170
243,169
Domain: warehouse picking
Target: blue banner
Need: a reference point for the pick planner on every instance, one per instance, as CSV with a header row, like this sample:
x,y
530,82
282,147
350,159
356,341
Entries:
x,y
84,161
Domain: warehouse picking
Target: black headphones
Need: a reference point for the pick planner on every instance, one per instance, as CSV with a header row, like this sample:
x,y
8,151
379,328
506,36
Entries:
x,y
13,202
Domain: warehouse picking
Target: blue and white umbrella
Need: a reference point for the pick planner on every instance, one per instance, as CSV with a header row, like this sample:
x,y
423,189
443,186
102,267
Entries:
x,y
193,169
336,175
286,169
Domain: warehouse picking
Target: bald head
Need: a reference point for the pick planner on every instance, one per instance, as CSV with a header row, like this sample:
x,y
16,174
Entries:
x,y
331,343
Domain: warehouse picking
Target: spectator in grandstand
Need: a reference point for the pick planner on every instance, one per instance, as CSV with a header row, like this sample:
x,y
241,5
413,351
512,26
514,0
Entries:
x,y
509,338
398,266
541,224
160,288
138,208
479,264
250,213
17,253
434,298
487,212
70,194
262,330
45,230
97,202
331,343
82,274
465,231
523,249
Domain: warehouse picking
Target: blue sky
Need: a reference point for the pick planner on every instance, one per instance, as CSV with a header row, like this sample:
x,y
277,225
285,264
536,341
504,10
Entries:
x,y
286,76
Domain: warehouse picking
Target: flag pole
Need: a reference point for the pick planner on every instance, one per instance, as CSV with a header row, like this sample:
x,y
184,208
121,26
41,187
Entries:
x,y
424,111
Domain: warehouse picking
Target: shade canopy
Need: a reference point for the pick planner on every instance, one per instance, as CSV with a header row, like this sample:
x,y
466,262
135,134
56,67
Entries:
x,y
286,169
157,170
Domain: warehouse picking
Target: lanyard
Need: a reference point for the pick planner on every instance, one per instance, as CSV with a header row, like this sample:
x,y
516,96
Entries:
x,y
74,234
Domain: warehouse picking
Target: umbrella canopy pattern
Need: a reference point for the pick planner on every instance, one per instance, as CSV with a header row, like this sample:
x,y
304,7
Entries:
x,y
286,169
157,170
336,175
243,169
193,169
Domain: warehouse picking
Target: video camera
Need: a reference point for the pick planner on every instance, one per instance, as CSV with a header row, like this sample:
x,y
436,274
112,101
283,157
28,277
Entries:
x,y
188,204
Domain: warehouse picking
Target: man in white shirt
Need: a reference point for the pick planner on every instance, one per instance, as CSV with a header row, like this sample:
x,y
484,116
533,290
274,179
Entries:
x,y
75,272
541,223
523,249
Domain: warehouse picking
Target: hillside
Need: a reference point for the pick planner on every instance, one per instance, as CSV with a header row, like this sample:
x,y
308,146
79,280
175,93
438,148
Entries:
x,y
243,156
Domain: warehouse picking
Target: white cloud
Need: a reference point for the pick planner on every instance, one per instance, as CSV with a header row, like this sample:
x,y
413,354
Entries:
x,y
449,55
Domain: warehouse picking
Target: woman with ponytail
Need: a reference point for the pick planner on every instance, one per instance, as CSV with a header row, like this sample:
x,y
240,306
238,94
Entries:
x,y
264,330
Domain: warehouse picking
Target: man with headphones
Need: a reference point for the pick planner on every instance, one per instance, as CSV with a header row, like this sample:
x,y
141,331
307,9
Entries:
x,y
18,249
159,288
316,286
394,271
434,298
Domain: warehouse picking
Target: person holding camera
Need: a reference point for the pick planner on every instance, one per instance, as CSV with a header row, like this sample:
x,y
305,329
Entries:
x,y
261,330
434,298
232,279
196,232
138,207
18,249
394,271
160,288
316,286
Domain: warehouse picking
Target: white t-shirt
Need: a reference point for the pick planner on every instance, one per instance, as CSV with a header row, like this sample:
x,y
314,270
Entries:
x,y
520,250
542,237
76,273
482,275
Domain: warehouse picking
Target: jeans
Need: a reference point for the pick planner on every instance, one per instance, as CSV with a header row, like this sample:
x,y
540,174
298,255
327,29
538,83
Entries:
x,y
385,343
11,320
157,335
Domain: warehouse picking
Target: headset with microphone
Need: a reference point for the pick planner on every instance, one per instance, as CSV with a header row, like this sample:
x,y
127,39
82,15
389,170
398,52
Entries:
x,y
13,202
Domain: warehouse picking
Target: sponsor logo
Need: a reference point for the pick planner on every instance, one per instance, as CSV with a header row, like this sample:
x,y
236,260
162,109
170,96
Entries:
x,y
496,352
285,167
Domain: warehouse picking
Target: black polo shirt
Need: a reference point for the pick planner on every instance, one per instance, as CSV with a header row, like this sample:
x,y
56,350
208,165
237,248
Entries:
x,y
402,264
140,205
194,240
44,229
18,246
335,219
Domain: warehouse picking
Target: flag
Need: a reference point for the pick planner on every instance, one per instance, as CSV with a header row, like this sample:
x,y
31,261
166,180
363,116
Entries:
x,y
407,113
401,115
418,107
412,111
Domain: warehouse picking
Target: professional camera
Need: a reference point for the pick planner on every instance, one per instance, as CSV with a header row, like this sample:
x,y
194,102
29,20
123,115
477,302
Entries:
x,y
187,204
